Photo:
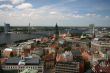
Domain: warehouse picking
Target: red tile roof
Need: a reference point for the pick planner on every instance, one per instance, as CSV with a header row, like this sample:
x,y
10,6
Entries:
x,y
105,69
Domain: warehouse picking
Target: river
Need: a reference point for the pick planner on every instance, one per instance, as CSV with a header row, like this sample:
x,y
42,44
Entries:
x,y
13,37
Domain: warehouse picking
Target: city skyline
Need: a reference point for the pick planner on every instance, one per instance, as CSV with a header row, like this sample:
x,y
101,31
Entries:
x,y
48,12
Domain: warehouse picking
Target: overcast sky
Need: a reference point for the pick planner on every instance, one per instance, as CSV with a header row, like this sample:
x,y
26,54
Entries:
x,y
48,12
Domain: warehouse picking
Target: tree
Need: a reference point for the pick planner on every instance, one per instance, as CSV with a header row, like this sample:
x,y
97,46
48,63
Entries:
x,y
77,45
68,48
87,66
11,54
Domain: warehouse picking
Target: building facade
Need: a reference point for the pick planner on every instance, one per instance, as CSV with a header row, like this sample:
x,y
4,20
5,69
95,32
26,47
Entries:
x,y
7,28
20,68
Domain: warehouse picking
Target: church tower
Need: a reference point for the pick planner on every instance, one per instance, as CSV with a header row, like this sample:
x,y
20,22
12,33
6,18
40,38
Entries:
x,y
56,32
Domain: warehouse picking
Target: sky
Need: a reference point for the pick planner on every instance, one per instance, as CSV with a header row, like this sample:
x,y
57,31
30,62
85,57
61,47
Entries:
x,y
50,12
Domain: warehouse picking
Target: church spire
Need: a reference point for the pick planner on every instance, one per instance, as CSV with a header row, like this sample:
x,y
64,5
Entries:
x,y
56,31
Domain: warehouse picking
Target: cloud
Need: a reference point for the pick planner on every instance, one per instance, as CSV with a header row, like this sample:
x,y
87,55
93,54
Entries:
x,y
49,15
107,16
3,0
91,14
24,6
67,1
53,13
77,16
16,2
6,7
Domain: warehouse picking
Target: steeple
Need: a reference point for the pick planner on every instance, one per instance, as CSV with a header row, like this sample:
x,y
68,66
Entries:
x,y
56,31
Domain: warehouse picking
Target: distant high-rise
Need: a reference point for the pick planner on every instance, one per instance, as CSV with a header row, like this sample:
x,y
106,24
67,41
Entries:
x,y
29,28
6,28
0,62
92,29
0,53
